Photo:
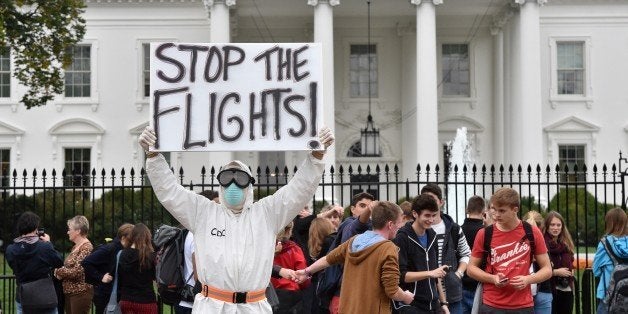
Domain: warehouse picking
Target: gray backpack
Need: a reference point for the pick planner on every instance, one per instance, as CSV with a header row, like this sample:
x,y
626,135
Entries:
x,y
617,293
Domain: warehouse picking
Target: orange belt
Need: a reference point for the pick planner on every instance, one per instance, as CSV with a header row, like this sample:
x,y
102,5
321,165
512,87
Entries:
x,y
233,297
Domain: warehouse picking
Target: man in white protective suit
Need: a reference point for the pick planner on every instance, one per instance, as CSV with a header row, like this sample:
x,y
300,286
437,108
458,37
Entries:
x,y
235,239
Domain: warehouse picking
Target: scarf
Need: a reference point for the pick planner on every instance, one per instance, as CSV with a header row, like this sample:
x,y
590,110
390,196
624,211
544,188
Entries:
x,y
30,239
558,253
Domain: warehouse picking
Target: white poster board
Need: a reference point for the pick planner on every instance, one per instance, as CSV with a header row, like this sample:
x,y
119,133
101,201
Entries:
x,y
236,97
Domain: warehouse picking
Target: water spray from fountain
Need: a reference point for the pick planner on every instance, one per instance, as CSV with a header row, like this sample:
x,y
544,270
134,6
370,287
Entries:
x,y
458,194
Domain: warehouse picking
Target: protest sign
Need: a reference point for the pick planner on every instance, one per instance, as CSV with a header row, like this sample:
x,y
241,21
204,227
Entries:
x,y
235,97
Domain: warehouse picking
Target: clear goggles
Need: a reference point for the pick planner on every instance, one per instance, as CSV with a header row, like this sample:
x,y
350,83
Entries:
x,y
228,176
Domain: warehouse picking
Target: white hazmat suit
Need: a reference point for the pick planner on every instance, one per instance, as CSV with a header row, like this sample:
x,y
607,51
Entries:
x,y
234,252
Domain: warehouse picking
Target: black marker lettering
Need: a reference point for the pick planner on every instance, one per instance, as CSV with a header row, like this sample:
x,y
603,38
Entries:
x,y
160,74
266,56
262,114
313,104
194,49
284,65
228,63
186,142
298,64
276,93
156,113
290,110
213,51
212,115
237,119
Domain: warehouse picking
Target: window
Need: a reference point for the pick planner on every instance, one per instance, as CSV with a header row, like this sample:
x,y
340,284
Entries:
x,y
359,71
146,68
368,183
570,67
78,74
571,156
5,167
455,67
77,166
5,73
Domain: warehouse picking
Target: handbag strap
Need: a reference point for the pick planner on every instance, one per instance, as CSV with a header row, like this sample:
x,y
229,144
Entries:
x,y
114,290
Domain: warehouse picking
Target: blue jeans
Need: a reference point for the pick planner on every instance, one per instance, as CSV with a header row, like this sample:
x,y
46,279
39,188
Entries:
x,y
602,308
467,300
543,303
18,309
455,307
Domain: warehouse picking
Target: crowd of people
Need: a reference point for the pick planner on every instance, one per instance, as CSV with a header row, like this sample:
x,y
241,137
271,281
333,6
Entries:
x,y
278,255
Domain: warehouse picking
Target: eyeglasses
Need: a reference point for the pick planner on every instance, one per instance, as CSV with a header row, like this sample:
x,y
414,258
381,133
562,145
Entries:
x,y
241,178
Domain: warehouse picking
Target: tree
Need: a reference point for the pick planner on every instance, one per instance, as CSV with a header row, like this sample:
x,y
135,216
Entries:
x,y
40,34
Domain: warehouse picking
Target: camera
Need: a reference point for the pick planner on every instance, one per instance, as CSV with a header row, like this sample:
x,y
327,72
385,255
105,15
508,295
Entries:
x,y
41,232
562,282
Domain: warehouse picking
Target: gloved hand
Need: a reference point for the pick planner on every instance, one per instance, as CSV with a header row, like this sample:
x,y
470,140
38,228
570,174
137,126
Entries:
x,y
326,137
147,138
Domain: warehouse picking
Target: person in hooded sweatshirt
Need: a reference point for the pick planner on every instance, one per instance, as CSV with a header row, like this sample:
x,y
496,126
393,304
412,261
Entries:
x,y
371,267
417,260
234,239
32,257
617,239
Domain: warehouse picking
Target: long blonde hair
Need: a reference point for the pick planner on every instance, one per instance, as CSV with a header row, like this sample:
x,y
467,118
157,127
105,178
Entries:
x,y
564,236
319,229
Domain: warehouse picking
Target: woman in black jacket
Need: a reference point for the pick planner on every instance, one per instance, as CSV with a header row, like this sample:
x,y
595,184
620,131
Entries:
x,y
32,257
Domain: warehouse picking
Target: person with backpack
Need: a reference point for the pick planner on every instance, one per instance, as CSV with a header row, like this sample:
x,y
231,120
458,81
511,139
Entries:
x,y
611,251
371,266
502,255
100,262
32,257
234,239
136,273
418,265
476,211
453,250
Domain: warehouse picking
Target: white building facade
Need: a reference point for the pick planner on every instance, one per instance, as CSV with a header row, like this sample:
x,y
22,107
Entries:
x,y
534,82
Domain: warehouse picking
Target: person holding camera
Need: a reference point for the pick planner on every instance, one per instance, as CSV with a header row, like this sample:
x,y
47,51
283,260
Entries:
x,y
561,252
32,258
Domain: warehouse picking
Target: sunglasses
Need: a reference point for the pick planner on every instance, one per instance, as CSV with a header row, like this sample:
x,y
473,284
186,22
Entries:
x,y
241,178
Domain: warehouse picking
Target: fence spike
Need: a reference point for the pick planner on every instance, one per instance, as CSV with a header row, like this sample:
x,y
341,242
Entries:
x,y
386,169
267,171
34,173
113,172
418,168
54,173
511,169
484,168
285,171
64,173
24,173
122,172
368,169
350,170
614,168
594,168
142,172
538,168
332,170
566,168
584,168
377,169
132,172
203,171
396,168
294,170
212,171
604,168
43,173
341,170
427,167
474,169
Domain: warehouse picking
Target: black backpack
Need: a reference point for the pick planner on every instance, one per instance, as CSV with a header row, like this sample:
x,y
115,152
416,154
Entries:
x,y
617,293
488,236
169,264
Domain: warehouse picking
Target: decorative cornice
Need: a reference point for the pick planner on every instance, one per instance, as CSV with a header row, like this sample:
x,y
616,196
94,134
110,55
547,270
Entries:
x,y
314,3
209,3
522,2
417,2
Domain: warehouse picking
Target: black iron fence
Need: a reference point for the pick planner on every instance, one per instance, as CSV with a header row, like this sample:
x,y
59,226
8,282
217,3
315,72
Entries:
x,y
109,198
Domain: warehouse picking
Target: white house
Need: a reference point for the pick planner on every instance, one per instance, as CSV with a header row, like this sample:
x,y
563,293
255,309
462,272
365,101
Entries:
x,y
534,82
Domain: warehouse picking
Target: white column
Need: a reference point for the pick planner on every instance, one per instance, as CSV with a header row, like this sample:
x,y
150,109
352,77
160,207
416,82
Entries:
x,y
219,32
219,26
426,87
526,111
409,158
324,34
498,95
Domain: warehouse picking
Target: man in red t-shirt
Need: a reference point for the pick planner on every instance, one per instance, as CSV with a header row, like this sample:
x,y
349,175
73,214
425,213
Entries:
x,y
506,279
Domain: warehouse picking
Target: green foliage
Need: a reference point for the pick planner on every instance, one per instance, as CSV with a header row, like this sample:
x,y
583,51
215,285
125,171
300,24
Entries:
x,y
583,214
529,203
40,33
105,213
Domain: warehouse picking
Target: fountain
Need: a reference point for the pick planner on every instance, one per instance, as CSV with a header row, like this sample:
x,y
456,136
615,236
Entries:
x,y
458,194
